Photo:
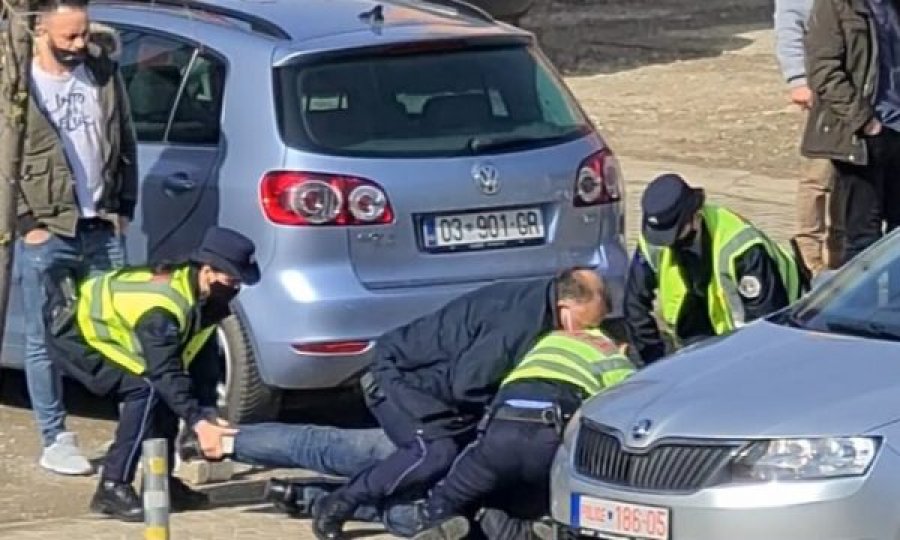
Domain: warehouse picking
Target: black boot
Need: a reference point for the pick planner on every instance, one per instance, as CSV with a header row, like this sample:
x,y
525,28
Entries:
x,y
328,523
289,496
184,498
117,500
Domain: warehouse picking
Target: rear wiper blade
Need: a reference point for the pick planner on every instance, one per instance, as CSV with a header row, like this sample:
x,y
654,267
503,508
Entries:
x,y
865,328
484,144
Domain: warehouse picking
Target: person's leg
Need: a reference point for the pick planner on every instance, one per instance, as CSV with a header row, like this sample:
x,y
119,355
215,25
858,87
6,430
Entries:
x,y
812,207
115,494
835,238
61,453
891,175
101,248
327,450
862,192
508,468
165,425
414,466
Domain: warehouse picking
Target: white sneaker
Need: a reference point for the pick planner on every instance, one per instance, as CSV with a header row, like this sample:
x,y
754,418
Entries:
x,y
64,456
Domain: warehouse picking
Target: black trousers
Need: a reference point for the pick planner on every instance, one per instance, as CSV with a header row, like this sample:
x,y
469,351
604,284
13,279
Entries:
x,y
415,465
142,416
869,195
508,469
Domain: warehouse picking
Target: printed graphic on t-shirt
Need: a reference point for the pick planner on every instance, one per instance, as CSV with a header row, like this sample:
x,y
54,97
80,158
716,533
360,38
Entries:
x,y
70,112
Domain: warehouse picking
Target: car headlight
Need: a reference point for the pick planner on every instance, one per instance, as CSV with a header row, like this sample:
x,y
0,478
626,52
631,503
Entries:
x,y
805,459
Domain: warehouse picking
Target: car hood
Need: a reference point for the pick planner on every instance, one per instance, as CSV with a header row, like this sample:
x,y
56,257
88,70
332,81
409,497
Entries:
x,y
765,380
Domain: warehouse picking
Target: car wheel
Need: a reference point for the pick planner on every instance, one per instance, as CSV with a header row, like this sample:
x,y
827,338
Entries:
x,y
243,396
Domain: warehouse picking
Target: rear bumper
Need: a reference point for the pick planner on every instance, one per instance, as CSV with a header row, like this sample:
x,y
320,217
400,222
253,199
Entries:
x,y
352,313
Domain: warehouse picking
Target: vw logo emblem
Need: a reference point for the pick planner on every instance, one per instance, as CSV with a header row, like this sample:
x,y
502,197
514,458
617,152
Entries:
x,y
487,177
641,429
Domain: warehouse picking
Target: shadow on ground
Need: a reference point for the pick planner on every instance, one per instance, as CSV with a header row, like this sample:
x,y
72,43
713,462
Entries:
x,y
340,408
587,37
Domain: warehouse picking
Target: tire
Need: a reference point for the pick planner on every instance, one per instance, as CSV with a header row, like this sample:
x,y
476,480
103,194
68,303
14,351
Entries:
x,y
244,398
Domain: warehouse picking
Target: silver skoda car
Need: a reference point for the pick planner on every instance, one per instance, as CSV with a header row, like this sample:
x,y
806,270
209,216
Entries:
x,y
788,429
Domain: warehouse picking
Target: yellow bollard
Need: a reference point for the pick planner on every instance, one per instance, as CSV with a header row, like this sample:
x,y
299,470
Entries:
x,y
156,489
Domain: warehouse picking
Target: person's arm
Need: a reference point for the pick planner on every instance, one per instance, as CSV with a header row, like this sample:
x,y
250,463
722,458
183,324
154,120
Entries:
x,y
791,17
640,292
157,333
826,70
760,285
205,372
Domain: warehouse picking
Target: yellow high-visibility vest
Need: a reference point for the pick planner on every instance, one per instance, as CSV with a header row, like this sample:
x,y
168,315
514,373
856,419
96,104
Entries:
x,y
592,364
731,237
111,304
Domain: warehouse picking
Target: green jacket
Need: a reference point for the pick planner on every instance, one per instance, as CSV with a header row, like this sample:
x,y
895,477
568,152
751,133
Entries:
x,y
842,71
46,194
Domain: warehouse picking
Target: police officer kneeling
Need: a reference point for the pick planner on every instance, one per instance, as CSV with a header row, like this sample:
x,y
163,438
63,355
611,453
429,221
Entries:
x,y
143,336
711,269
507,469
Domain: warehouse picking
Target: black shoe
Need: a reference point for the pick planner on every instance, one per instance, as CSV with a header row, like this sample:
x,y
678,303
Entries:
x,y
183,498
288,495
117,500
454,528
328,523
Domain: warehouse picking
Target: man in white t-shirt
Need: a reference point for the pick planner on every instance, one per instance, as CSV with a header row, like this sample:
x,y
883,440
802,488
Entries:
x,y
77,193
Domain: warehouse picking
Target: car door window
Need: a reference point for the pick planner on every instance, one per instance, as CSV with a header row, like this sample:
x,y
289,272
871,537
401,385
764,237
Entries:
x,y
152,68
196,119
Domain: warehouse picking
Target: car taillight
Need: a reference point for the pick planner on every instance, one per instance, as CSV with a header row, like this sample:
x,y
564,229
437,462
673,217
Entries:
x,y
333,347
300,198
597,181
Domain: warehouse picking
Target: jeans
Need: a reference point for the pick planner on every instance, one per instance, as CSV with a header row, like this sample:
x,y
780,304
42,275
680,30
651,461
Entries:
x,y
326,450
95,248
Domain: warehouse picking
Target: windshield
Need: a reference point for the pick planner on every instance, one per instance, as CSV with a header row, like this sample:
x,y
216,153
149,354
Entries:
x,y
427,104
862,299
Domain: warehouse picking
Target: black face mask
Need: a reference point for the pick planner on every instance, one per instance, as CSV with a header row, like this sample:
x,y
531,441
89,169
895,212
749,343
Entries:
x,y
215,307
221,293
69,59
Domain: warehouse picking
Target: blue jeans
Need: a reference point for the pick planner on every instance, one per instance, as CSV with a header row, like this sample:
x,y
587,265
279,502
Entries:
x,y
94,249
326,450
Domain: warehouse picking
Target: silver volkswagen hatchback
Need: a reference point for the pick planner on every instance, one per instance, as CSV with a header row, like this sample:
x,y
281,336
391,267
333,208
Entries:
x,y
384,155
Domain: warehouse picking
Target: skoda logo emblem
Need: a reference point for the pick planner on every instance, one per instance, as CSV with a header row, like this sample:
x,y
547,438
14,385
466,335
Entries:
x,y
641,429
487,177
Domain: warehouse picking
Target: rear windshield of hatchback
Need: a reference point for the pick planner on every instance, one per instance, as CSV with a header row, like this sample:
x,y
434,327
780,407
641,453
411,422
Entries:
x,y
428,104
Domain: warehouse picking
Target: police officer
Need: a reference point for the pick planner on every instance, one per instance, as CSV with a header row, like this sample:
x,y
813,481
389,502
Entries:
x,y
508,467
711,270
142,335
431,380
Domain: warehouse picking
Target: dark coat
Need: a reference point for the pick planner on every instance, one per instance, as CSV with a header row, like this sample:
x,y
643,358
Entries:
x,y
842,70
445,367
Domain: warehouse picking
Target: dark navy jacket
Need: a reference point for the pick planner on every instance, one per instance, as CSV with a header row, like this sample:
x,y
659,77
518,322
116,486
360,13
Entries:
x,y
445,367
